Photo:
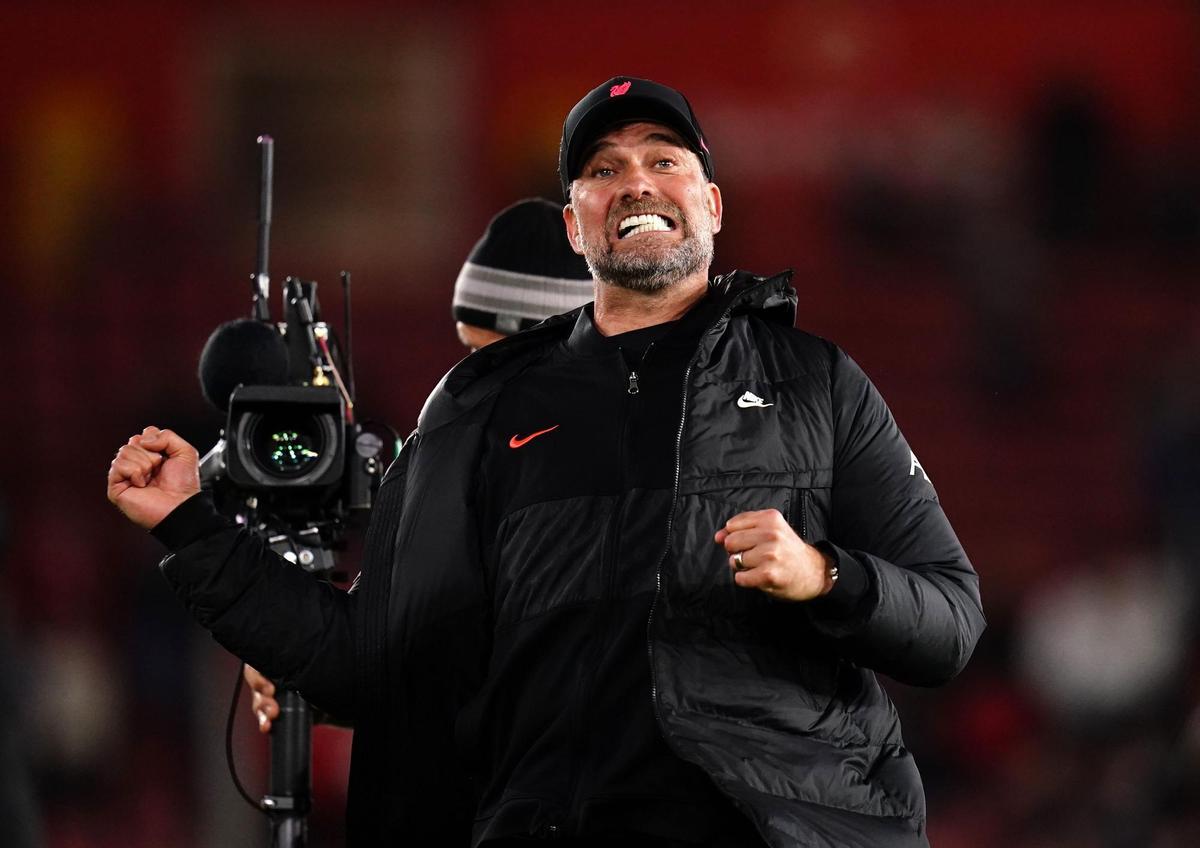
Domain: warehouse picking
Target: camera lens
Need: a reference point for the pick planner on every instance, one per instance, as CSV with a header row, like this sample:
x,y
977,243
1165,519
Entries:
x,y
286,446
290,439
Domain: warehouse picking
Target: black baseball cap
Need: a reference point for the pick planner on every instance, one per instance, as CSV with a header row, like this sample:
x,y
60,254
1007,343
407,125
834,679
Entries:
x,y
623,100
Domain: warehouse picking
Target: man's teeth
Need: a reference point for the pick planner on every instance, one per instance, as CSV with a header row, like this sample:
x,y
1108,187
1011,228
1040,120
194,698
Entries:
x,y
635,224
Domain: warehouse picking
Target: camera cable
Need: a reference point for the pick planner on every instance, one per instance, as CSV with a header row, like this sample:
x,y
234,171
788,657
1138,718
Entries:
x,y
237,692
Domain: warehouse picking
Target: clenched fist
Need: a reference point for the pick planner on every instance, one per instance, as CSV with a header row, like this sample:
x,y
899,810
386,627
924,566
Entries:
x,y
766,554
152,474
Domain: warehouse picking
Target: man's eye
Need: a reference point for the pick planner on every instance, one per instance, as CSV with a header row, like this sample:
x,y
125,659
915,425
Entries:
x,y
665,163
602,172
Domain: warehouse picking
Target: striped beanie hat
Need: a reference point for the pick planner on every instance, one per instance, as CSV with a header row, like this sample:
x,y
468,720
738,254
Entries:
x,y
521,271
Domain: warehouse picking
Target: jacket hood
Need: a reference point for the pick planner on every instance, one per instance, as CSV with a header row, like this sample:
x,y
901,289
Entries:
x,y
742,291
480,374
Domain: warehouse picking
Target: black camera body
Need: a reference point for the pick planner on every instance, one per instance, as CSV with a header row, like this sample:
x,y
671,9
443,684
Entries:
x,y
293,463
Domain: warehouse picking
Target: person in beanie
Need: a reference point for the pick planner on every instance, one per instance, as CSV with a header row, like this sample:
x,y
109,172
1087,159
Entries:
x,y
632,578
520,272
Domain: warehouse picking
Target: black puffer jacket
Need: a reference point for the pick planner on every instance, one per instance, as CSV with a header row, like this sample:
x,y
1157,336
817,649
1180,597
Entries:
x,y
778,702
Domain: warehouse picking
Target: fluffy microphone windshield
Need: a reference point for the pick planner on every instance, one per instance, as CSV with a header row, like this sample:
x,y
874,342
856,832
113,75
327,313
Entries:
x,y
242,352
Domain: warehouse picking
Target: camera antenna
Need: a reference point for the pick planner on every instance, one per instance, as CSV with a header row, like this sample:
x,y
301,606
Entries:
x,y
260,280
349,358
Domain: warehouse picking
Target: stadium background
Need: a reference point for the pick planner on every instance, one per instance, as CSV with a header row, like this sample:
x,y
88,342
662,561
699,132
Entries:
x,y
994,207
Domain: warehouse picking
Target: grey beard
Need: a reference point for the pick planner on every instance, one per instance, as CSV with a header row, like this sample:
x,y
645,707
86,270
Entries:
x,y
650,274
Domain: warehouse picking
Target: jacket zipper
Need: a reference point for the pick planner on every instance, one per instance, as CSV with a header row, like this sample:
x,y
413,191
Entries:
x,y
611,535
687,377
631,389
633,375
622,440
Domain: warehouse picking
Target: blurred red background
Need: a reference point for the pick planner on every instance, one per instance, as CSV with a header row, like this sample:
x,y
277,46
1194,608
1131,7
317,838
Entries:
x,y
994,208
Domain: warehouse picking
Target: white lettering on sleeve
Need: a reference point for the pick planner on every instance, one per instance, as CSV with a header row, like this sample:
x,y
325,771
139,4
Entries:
x,y
914,465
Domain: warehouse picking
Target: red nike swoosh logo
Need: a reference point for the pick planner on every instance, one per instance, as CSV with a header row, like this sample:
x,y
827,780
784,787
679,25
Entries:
x,y
517,441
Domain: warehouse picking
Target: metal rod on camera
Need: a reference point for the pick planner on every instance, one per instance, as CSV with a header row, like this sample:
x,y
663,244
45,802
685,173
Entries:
x,y
302,322
291,772
349,357
261,280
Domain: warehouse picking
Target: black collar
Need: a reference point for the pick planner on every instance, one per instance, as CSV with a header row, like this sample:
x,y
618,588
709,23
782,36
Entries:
x,y
586,340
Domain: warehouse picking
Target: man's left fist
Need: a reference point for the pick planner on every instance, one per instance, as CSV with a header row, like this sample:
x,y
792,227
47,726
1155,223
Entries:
x,y
767,554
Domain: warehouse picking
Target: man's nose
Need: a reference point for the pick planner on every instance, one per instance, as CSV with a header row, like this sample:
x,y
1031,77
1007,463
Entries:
x,y
637,183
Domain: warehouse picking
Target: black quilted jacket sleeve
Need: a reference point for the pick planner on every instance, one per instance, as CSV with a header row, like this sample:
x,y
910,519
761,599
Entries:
x,y
922,615
292,627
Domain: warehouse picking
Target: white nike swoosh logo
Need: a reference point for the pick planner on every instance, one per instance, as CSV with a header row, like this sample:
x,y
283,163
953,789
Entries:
x,y
748,400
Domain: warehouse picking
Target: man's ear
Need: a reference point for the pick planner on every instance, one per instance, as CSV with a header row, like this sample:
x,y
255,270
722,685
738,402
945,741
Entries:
x,y
715,206
572,225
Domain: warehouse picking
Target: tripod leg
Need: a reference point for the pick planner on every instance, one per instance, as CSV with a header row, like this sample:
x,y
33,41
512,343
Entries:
x,y
291,772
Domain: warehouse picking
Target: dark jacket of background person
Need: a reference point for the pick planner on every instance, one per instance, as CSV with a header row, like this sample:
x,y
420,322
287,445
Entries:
x,y
778,702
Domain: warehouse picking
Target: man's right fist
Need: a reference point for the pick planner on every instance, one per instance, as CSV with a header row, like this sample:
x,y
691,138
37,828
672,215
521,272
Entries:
x,y
152,474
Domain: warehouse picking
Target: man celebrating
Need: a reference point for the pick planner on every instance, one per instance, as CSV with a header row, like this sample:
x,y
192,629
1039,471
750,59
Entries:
x,y
630,579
